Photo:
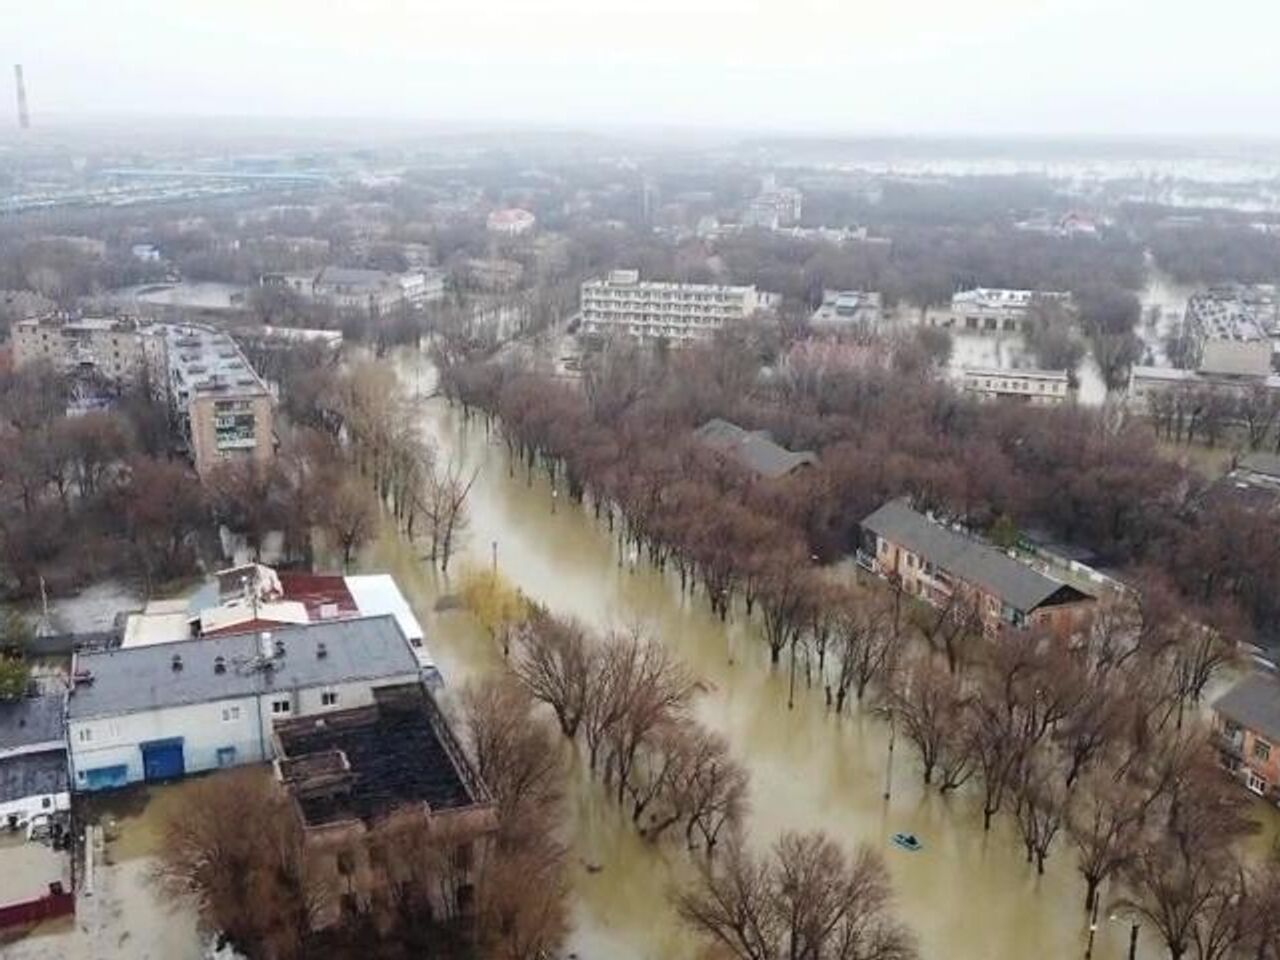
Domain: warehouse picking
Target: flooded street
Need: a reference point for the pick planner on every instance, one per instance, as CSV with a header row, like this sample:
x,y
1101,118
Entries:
x,y
968,896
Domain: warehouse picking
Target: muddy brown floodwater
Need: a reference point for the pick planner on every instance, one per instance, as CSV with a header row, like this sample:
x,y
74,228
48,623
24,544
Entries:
x,y
967,895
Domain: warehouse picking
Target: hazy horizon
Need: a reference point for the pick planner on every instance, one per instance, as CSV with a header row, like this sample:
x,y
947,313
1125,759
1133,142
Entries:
x,y
1050,69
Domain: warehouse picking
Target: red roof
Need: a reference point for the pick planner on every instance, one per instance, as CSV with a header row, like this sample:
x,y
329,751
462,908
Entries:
x,y
318,590
250,625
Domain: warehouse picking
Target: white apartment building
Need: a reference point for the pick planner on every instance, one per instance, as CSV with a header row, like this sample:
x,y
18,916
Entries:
x,y
375,291
991,310
1042,387
655,310
162,711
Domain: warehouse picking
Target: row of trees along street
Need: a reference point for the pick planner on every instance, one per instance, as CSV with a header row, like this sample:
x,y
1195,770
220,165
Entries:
x,y
623,702
1092,744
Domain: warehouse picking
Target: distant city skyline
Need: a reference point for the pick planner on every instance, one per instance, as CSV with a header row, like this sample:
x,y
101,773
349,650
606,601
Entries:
x,y
1044,68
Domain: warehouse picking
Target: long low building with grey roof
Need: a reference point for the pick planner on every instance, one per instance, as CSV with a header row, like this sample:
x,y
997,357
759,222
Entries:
x,y
753,450
161,711
943,566
33,760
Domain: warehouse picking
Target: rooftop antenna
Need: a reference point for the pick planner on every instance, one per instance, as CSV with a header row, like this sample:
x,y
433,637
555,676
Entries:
x,y
24,118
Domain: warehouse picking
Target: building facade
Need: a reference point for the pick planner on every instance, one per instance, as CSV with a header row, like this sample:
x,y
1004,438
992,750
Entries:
x,y
1247,730
224,408
1041,387
379,790
949,569
117,349
991,310
33,761
622,303
159,712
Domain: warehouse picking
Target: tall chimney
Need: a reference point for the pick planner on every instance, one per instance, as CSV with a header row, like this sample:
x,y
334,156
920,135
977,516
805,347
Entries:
x,y
24,120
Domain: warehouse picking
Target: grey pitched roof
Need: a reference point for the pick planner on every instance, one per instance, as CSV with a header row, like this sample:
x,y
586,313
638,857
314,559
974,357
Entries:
x,y
134,679
1267,464
33,774
29,721
1015,583
1254,703
752,449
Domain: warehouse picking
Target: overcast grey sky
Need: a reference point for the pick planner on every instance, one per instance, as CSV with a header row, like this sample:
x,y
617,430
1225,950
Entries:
x,y
825,66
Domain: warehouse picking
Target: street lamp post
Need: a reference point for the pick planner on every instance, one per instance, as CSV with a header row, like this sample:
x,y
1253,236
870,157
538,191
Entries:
x,y
554,492
1093,927
887,713
494,545
1133,935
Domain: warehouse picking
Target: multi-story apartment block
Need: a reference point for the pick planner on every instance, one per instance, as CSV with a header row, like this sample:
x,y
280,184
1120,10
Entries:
x,y
219,403
222,406
1041,387
949,569
1247,725
117,349
653,310
989,310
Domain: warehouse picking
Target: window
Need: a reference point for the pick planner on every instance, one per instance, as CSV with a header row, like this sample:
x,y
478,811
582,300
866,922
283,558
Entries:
x,y
280,706
46,803
1261,749
328,698
230,713
1256,784
84,735
226,756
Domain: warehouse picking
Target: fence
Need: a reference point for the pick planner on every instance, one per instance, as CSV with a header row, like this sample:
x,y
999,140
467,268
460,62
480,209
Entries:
x,y
55,903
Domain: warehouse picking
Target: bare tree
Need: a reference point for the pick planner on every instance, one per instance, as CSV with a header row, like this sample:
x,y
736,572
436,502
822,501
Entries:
x,y
929,704
806,899
350,518
442,505
237,847
557,663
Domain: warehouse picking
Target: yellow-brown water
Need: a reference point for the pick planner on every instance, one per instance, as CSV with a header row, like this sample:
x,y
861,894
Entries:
x,y
968,895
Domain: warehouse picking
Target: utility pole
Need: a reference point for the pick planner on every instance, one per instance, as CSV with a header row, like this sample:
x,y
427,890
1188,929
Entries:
x,y
24,118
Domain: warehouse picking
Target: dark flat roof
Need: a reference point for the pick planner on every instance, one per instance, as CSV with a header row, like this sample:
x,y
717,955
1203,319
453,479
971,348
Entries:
x,y
1254,703
32,774
31,720
398,753
1019,585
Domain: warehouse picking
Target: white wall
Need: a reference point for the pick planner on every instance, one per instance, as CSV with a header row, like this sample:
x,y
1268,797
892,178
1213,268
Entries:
x,y
27,807
117,740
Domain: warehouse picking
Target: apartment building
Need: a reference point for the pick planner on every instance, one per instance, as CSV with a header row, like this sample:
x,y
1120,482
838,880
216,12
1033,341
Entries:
x,y
1040,387
945,568
223,407
1247,729
162,711
991,310
116,349
655,310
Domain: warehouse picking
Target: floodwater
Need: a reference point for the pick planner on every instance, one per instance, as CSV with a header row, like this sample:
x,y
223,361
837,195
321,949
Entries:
x,y
967,895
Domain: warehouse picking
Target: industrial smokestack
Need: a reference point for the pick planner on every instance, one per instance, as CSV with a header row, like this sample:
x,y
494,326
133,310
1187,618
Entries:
x,y
24,120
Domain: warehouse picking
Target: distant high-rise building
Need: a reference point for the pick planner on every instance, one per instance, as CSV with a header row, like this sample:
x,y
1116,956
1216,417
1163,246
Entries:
x,y
24,119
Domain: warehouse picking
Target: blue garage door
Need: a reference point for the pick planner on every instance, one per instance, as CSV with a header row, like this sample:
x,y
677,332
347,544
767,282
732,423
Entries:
x,y
162,759
103,778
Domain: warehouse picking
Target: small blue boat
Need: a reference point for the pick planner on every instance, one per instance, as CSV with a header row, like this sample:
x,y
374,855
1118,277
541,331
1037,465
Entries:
x,y
908,841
